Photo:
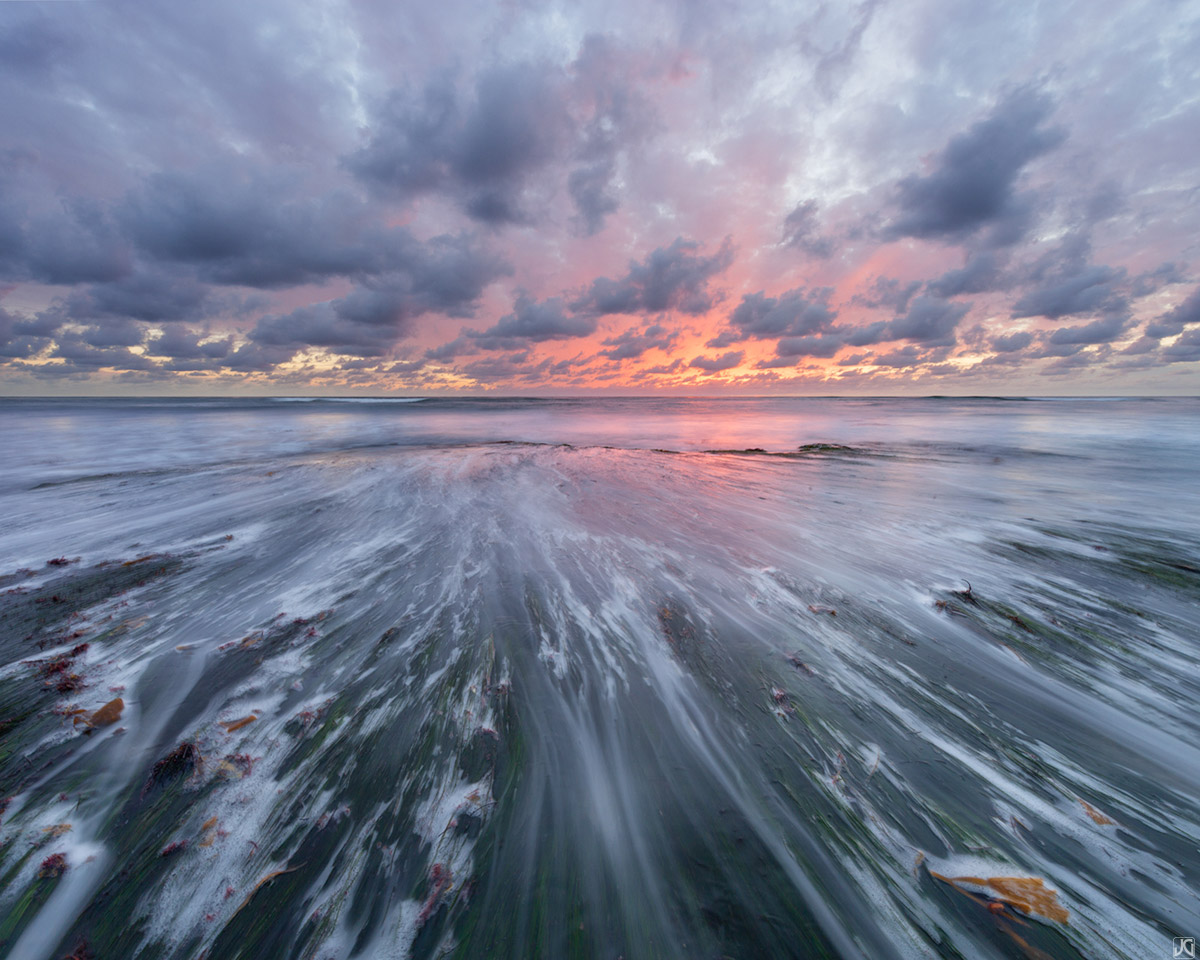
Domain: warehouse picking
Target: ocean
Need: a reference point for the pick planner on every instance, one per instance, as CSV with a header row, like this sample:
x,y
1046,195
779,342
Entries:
x,y
611,678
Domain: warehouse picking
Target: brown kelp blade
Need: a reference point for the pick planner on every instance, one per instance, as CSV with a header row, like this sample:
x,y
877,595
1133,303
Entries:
x,y
1030,895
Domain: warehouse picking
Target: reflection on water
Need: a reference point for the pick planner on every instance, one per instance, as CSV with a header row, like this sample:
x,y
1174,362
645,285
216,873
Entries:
x,y
929,696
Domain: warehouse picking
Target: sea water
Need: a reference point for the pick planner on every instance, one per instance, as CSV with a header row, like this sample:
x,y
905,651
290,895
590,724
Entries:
x,y
599,678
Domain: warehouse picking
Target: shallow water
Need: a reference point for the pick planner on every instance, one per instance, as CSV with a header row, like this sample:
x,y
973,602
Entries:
x,y
546,678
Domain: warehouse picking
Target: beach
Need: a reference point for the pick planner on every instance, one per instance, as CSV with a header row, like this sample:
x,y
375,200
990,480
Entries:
x,y
641,677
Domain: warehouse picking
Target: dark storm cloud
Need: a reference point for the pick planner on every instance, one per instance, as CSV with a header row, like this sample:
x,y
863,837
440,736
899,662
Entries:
x,y
930,321
980,274
590,187
1154,280
670,278
484,150
119,333
795,313
454,348
909,356
1140,347
973,183
489,150
1174,321
244,226
1086,289
632,344
611,117
801,229
675,366
159,296
777,363
248,227
792,347
534,321
502,368
81,355
1069,363
725,361
182,345
1012,342
323,325
31,47
445,275
71,242
865,336
887,292
371,318
77,245
1104,330
834,63
1063,282
1185,349
21,338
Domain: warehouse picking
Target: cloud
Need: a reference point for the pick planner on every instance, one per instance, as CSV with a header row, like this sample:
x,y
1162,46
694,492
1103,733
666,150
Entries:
x,y
887,292
670,278
73,242
980,274
631,344
590,186
801,230
725,361
534,321
484,151
1103,330
451,349
1064,283
1087,289
82,355
446,275
1152,281
492,150
612,118
795,313
973,183
793,347
21,338
909,356
1140,347
183,345
157,296
1012,342
930,321
1175,320
239,225
675,366
1185,349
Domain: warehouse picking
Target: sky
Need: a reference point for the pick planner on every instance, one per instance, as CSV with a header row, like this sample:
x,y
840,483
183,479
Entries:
x,y
886,197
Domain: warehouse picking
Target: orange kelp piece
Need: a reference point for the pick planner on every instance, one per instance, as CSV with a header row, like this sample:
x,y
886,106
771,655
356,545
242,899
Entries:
x,y
1028,894
109,713
231,725
263,882
1096,815
207,833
